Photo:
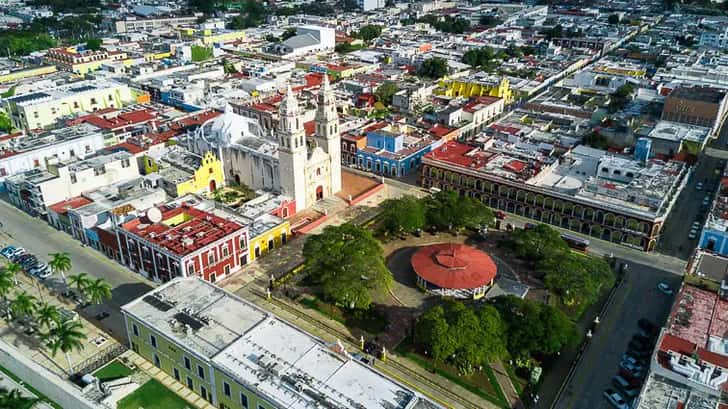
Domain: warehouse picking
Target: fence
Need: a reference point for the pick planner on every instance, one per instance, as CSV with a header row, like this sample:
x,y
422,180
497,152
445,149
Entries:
x,y
95,362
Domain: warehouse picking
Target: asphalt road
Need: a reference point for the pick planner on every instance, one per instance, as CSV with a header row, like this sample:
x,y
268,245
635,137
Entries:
x,y
36,236
636,298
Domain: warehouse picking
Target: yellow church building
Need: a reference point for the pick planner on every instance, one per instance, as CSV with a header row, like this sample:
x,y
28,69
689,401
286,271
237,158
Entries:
x,y
476,86
180,172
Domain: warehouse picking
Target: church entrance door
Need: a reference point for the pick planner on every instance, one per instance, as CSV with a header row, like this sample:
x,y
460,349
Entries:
x,y
213,185
319,193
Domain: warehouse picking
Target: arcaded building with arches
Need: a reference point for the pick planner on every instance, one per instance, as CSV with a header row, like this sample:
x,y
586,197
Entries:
x,y
606,196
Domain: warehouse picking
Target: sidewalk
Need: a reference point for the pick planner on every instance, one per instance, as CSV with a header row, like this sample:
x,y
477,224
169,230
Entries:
x,y
506,385
170,383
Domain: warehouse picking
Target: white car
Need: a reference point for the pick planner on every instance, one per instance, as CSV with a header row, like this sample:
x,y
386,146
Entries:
x,y
699,186
664,288
695,226
693,234
615,399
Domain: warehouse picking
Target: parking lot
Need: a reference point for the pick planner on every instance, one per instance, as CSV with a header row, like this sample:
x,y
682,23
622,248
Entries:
x,y
637,297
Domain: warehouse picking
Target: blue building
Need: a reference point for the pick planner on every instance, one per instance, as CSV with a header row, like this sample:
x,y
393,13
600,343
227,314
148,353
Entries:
x,y
714,236
394,151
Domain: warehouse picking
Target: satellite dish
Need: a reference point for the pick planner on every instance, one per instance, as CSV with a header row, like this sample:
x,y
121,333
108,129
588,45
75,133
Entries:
x,y
154,215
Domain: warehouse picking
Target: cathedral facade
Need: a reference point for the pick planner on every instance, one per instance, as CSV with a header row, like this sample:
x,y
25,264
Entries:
x,y
282,161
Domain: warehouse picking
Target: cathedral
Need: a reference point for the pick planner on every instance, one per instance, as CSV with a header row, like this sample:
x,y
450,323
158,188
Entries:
x,y
282,161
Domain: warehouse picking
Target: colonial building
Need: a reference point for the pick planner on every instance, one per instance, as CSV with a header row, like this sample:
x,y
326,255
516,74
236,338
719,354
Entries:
x,y
183,241
282,161
701,106
586,190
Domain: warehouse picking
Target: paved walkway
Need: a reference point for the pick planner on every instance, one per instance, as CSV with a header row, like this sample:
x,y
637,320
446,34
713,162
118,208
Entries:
x,y
169,382
506,385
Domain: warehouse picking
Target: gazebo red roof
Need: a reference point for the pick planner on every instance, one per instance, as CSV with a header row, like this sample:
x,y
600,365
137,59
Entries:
x,y
454,266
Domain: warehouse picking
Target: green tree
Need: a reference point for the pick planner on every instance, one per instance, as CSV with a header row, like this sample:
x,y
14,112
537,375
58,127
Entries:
x,y
433,68
405,214
596,140
14,399
228,67
432,332
67,337
619,98
461,335
538,243
346,48
81,281
447,210
203,6
369,32
47,315
534,329
386,91
7,283
200,53
489,21
252,14
290,32
97,291
5,122
67,6
556,31
348,263
13,269
577,279
93,44
613,19
24,305
60,263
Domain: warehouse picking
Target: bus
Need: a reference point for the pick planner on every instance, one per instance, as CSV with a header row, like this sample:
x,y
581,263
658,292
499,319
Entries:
x,y
575,242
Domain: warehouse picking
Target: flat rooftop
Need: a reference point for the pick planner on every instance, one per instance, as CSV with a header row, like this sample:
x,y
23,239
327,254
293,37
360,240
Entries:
x,y
288,366
676,132
169,308
702,94
660,392
182,230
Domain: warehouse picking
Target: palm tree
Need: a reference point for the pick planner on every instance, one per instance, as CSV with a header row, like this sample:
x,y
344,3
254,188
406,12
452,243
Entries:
x,y
24,305
60,263
80,281
14,269
67,336
47,315
97,291
6,283
14,399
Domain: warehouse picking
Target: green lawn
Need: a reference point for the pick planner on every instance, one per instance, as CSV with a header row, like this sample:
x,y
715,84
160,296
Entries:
x,y
152,395
113,370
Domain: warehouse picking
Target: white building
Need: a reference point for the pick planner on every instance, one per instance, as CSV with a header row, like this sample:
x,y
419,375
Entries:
x,y
367,5
308,40
36,189
28,152
282,161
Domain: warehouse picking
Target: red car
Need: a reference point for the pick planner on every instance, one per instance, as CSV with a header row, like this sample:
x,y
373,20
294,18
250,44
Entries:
x,y
500,215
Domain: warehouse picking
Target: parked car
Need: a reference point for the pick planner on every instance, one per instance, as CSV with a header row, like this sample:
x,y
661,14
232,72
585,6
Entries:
x,y
647,325
16,254
625,387
29,262
7,251
615,399
692,234
664,288
45,274
40,269
699,186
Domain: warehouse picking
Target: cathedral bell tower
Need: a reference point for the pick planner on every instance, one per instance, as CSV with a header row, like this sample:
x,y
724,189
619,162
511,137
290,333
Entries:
x,y
292,151
327,131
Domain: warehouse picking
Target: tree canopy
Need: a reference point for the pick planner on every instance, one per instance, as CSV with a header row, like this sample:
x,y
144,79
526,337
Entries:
x,y
252,14
462,335
386,91
405,214
538,243
93,44
24,42
5,123
348,263
455,25
369,32
200,53
489,21
619,98
532,328
66,6
613,19
447,209
433,68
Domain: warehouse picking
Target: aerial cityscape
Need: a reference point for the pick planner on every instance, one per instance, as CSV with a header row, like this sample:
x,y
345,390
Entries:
x,y
363,204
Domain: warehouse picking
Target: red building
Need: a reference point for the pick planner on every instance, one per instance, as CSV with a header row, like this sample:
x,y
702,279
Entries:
x,y
183,242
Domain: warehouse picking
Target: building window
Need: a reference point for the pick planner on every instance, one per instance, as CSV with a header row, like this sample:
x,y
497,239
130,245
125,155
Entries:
x,y
187,363
73,178
135,330
225,250
227,270
189,383
125,163
242,242
211,258
93,101
200,372
244,400
191,268
226,389
153,340
35,114
75,104
157,363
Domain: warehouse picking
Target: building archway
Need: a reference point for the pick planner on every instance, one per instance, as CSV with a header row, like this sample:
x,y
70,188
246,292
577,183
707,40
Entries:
x,y
237,179
213,185
319,192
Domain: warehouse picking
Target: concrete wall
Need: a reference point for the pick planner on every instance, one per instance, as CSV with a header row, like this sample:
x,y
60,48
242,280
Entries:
x,y
59,390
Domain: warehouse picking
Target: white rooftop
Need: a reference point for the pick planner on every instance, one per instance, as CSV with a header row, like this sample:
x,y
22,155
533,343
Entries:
x,y
288,366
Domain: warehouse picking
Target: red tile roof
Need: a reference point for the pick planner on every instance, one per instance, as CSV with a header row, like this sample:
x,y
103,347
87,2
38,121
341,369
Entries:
x,y
72,203
200,229
440,130
309,127
454,266
456,153
673,343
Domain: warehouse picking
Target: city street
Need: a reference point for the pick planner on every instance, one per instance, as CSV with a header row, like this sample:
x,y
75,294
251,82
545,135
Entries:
x,y
637,297
36,236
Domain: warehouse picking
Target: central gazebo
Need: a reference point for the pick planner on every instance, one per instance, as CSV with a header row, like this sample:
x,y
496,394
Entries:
x,y
454,270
